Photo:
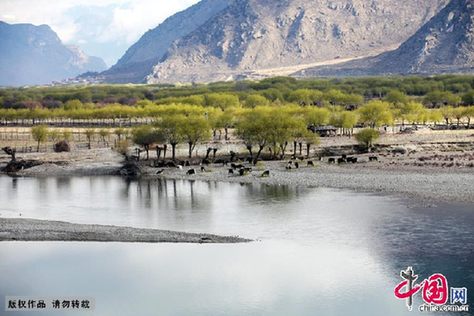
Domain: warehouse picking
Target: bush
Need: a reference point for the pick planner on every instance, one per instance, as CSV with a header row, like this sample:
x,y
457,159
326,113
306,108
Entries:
x,y
367,136
62,146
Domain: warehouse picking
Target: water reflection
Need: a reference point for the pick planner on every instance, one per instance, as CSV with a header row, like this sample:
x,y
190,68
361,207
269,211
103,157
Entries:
x,y
320,248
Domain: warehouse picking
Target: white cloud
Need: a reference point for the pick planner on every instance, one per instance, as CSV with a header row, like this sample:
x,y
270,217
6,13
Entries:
x,y
99,23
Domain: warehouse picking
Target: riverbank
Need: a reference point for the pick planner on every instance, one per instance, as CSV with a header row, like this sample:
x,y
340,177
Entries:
x,y
15,229
426,184
427,165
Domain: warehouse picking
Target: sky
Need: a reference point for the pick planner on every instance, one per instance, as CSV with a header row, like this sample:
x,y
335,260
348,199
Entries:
x,y
103,28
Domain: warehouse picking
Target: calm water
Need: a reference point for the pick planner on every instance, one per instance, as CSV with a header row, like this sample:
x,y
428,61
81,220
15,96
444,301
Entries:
x,y
321,251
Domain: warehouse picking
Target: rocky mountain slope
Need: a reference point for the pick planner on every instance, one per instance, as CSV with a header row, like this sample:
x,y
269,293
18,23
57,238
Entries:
x,y
443,45
150,49
249,35
32,55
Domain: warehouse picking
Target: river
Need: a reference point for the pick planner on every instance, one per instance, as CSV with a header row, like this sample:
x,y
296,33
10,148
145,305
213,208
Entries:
x,y
318,251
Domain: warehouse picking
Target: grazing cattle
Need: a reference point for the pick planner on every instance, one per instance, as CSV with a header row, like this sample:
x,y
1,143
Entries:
x,y
203,169
244,171
297,165
187,163
231,171
352,159
332,160
266,173
179,167
171,164
191,172
310,163
290,162
373,158
344,156
288,167
341,160
160,171
206,162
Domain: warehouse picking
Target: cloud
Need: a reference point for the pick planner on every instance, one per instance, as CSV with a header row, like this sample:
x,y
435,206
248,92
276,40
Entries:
x,y
106,27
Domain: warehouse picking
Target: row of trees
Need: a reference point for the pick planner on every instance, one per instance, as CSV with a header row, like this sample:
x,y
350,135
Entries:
x,y
370,113
438,90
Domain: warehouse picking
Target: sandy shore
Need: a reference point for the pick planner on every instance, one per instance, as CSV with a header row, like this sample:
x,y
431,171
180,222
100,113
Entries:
x,y
40,230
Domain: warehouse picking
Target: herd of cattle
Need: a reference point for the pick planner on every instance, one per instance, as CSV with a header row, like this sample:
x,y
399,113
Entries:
x,y
242,169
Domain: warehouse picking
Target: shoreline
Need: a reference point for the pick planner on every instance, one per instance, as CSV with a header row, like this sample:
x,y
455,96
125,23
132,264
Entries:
x,y
427,184
19,229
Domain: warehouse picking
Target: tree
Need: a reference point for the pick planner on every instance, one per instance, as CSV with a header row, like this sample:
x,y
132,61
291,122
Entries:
x,y
171,126
396,97
448,113
40,134
439,98
67,134
366,137
306,97
310,139
89,136
120,132
316,116
104,133
468,98
145,136
375,113
221,100
196,128
252,128
254,100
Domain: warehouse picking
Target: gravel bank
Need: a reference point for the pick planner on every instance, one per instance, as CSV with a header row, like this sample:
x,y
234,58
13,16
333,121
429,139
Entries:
x,y
40,230
427,184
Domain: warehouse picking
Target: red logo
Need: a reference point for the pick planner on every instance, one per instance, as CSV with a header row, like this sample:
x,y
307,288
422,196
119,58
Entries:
x,y
435,288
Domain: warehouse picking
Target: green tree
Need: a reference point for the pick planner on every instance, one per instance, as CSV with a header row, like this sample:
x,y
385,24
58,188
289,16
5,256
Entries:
x,y
145,136
448,113
375,114
104,134
254,100
468,98
306,97
366,137
171,126
89,136
439,98
396,97
40,134
221,100
67,134
195,129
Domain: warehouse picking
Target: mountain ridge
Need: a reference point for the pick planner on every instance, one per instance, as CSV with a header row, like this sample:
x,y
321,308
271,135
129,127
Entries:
x,y
445,44
32,55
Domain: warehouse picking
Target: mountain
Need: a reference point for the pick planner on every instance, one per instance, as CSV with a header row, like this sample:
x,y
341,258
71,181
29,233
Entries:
x,y
140,58
249,37
443,45
31,55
